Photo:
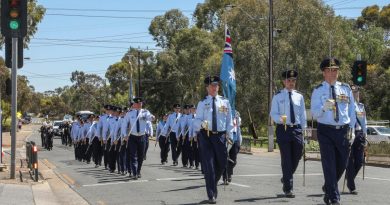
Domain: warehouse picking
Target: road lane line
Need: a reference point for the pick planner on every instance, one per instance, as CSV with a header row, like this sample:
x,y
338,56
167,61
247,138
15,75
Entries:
x,y
374,178
49,164
114,183
271,175
240,185
68,179
179,178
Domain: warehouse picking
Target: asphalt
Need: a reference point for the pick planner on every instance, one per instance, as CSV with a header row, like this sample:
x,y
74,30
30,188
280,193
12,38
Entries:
x,y
256,180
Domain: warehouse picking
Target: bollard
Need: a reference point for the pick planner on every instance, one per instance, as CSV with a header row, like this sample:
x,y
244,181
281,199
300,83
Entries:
x,y
34,161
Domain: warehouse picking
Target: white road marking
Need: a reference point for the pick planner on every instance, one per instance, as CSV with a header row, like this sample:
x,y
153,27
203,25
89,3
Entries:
x,y
240,185
271,175
374,178
113,183
179,178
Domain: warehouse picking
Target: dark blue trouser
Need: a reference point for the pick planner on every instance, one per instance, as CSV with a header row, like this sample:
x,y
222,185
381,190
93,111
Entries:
x,y
164,147
137,148
186,152
290,143
146,145
214,160
122,157
356,158
173,140
234,150
334,148
195,153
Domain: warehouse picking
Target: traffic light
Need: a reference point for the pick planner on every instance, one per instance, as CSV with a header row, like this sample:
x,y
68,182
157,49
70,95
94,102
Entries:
x,y
8,52
359,73
14,18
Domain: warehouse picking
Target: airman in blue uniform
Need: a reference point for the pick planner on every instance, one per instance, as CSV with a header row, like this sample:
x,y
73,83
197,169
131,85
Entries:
x,y
289,113
164,147
214,122
356,157
333,105
171,132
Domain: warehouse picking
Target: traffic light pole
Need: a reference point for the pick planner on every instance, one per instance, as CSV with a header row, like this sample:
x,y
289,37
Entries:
x,y
14,103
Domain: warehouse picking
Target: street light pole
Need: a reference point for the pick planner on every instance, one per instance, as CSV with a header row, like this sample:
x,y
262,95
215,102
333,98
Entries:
x,y
139,73
270,60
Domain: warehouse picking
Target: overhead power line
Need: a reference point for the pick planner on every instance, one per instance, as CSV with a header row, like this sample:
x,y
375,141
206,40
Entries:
x,y
115,10
95,16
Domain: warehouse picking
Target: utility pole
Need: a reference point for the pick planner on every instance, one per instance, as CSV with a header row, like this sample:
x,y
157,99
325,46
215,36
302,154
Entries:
x,y
270,70
139,73
131,79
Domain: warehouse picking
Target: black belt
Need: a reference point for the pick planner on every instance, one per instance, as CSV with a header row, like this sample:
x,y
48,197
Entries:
x,y
287,125
335,127
214,133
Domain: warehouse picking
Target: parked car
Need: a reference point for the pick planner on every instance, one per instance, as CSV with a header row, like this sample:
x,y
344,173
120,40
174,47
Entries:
x,y
378,133
57,127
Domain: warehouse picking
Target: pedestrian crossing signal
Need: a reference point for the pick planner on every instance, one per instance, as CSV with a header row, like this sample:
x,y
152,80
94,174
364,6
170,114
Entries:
x,y
359,73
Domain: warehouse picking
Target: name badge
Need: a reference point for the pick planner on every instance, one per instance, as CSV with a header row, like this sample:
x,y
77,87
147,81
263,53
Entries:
x,y
223,109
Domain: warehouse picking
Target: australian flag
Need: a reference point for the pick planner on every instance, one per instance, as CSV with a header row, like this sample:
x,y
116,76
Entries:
x,y
228,77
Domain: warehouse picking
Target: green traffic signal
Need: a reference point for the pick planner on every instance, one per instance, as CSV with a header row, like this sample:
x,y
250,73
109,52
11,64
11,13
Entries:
x,y
360,79
14,24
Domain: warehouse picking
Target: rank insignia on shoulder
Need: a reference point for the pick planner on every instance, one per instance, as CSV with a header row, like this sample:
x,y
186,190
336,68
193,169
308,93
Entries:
x,y
279,91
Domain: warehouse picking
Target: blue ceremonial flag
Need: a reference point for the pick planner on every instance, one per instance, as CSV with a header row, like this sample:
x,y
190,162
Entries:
x,y
228,77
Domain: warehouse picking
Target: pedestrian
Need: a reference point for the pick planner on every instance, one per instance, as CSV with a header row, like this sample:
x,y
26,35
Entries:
x,y
214,123
356,157
171,131
137,119
333,105
289,113
164,147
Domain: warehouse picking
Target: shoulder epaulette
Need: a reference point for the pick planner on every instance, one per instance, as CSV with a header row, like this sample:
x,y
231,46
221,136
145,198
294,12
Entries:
x,y
204,98
346,85
279,91
318,86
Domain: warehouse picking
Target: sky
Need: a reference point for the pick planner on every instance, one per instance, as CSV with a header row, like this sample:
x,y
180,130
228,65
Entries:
x,y
90,35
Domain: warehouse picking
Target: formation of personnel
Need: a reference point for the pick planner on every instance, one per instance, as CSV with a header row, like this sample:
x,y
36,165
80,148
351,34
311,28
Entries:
x,y
209,135
339,117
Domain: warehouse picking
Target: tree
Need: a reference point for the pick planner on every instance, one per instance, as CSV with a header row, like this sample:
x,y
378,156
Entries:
x,y
163,28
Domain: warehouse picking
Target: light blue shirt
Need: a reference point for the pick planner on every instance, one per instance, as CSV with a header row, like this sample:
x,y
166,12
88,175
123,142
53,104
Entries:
x,y
183,124
281,106
116,134
172,124
106,127
159,129
92,131
75,130
130,122
204,112
361,115
237,137
345,101
99,126
149,128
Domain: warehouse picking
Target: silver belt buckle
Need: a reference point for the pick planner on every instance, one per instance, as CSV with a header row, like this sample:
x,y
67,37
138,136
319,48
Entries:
x,y
338,127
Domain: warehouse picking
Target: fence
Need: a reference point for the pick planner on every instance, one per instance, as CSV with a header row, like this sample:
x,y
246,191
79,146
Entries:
x,y
32,159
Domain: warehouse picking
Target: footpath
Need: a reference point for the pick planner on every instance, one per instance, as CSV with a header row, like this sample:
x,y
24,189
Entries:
x,y
50,189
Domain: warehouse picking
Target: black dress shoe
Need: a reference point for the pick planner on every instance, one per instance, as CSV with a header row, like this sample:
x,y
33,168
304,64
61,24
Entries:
x,y
289,194
212,201
229,179
139,175
326,199
135,178
323,188
336,203
225,182
353,192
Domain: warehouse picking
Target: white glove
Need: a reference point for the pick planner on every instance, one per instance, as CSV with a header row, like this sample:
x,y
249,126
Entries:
x,y
205,124
329,104
351,135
